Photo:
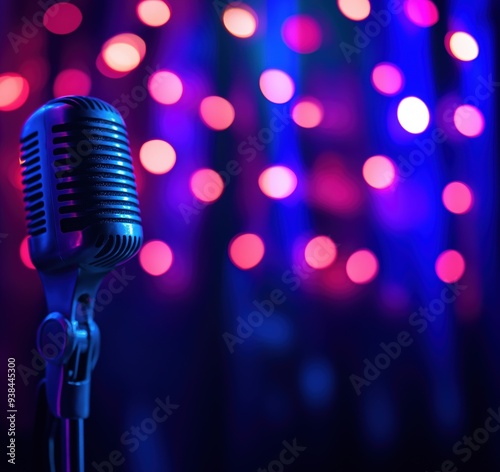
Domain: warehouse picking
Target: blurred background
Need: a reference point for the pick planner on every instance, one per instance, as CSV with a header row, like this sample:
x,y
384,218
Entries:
x,y
319,186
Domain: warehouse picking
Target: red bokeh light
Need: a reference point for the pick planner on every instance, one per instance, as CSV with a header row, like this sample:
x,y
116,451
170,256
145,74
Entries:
x,y
62,18
14,91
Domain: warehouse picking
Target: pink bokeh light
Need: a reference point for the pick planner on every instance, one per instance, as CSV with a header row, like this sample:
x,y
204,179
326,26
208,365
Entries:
x,y
379,172
217,112
450,266
308,113
422,13
320,252
457,197
72,82
387,79
469,121
24,253
153,12
277,86
206,185
156,257
362,267
301,33
246,250
278,182
165,87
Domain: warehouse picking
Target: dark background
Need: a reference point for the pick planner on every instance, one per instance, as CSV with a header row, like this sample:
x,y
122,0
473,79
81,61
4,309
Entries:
x,y
162,336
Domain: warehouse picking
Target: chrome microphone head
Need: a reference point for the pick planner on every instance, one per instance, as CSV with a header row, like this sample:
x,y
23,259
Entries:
x,y
79,187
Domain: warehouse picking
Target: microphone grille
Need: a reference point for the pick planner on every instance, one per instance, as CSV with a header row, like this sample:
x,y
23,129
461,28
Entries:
x,y
32,184
93,168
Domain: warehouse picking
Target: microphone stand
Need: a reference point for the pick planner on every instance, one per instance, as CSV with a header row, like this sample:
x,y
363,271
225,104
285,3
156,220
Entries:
x,y
69,340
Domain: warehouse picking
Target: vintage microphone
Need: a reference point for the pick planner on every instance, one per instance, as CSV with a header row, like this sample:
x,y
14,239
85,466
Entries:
x,y
83,219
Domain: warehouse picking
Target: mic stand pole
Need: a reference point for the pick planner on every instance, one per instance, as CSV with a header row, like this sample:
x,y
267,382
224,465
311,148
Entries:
x,y
70,345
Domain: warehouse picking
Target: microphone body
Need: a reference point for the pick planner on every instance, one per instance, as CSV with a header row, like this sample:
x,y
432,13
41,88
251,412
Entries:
x,y
83,219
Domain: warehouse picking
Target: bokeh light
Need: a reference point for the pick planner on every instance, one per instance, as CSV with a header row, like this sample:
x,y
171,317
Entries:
x,y
24,253
320,252
469,121
72,82
379,172
153,12
457,197
14,91
308,113
301,33
62,18
450,266
356,10
462,46
105,70
423,13
156,257
387,79
216,112
277,182
157,156
277,86
206,185
121,57
246,250
240,20
362,266
124,52
165,87
413,115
